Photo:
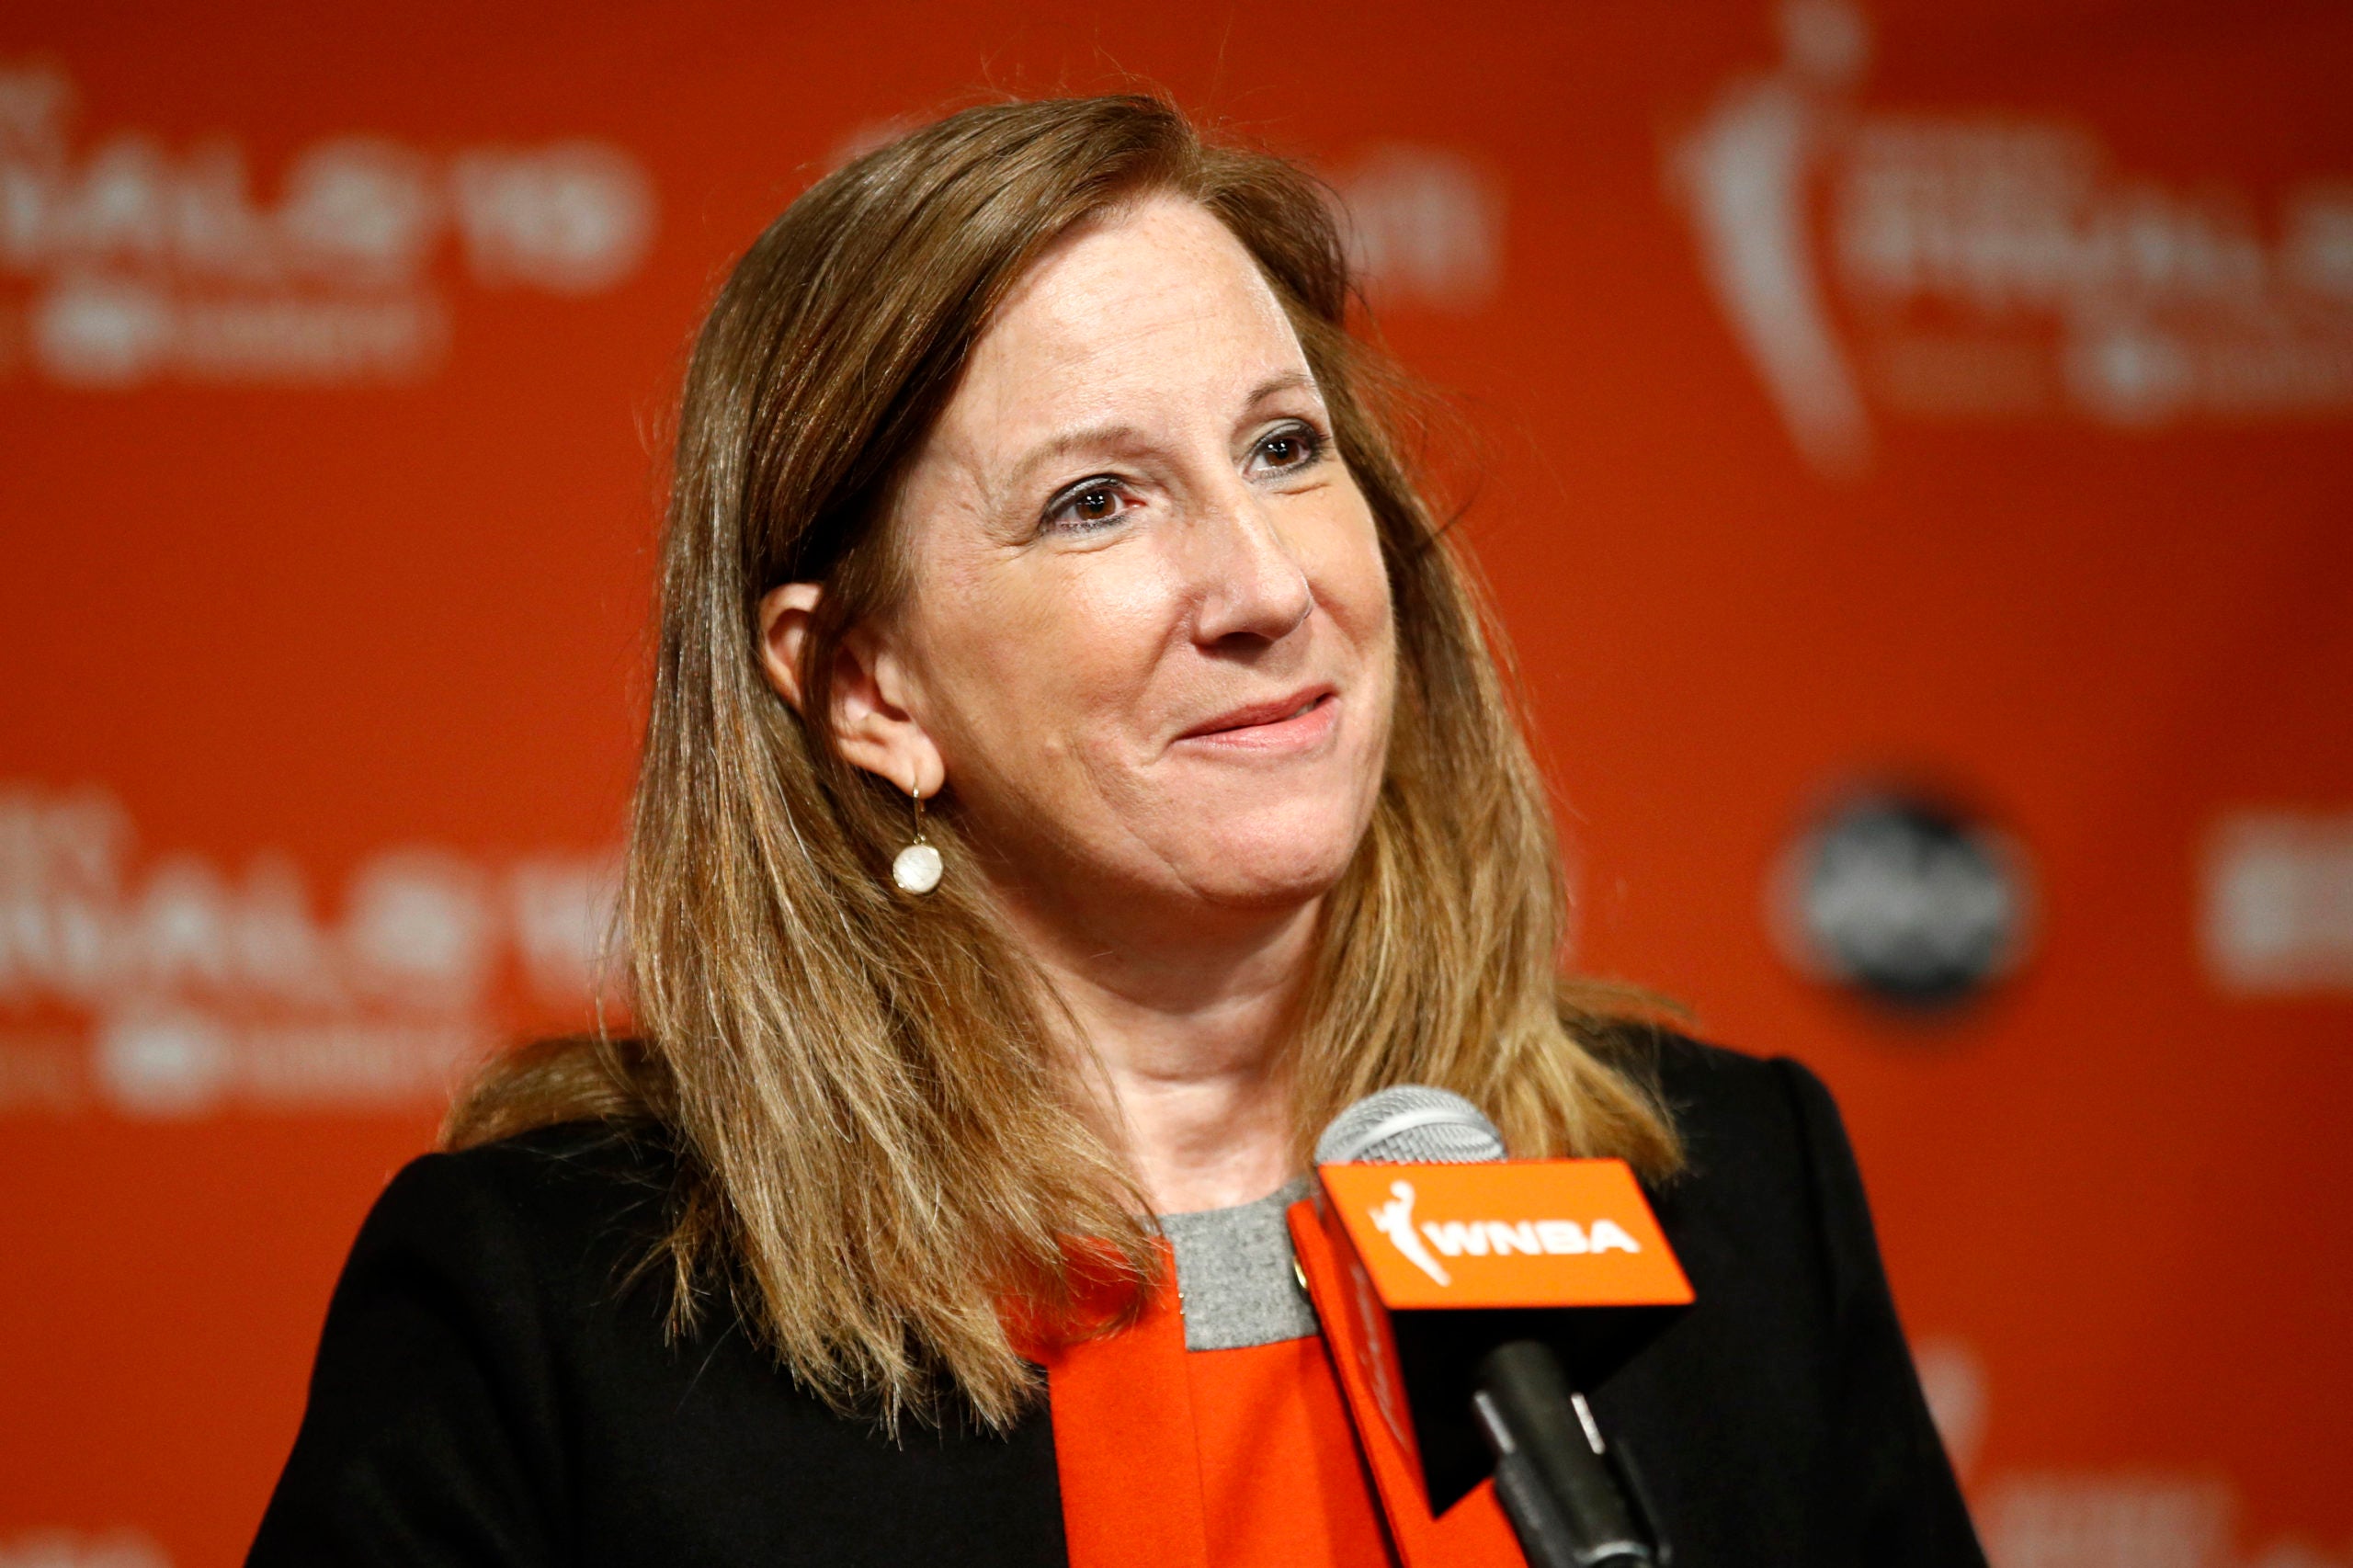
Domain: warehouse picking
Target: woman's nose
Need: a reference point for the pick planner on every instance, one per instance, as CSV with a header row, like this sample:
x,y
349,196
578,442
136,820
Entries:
x,y
1251,583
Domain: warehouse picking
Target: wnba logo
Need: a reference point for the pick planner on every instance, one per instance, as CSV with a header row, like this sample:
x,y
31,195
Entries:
x,y
1488,1238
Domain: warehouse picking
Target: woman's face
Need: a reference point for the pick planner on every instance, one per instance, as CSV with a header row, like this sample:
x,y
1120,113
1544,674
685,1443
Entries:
x,y
1149,631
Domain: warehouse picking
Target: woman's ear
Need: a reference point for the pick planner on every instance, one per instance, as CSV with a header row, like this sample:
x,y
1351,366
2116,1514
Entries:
x,y
871,725
787,615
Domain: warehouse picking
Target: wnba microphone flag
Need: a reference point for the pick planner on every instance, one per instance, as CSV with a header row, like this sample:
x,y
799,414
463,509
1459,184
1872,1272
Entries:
x,y
1530,1233
1416,1270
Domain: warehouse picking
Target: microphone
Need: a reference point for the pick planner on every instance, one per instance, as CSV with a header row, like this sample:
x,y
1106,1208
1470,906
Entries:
x,y
1408,1124
1445,1339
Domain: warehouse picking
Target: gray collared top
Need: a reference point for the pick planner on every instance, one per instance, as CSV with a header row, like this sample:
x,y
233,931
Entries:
x,y
1236,1276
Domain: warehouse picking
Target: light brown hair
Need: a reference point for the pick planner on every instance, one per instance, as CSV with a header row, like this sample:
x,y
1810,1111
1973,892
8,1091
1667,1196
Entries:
x,y
877,1147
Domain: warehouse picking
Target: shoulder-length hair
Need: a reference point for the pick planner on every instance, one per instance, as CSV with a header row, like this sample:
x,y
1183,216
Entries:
x,y
879,1145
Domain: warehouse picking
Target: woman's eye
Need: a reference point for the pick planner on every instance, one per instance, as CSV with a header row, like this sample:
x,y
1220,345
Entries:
x,y
1290,448
1093,504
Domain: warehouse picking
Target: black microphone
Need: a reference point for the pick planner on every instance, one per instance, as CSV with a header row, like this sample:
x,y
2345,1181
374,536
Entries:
x,y
1572,1500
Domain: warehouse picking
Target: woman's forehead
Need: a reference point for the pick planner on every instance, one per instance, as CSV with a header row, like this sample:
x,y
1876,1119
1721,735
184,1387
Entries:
x,y
1153,311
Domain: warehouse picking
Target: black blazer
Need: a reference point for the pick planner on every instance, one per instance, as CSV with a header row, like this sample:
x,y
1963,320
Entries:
x,y
489,1392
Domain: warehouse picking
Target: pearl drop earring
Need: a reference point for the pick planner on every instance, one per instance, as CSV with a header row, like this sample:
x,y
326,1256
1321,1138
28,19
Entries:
x,y
918,866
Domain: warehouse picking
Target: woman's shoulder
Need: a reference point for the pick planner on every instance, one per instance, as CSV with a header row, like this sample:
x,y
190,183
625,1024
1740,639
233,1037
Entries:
x,y
565,1212
480,1283
606,1169
1794,1335
1731,1106
500,1380
1769,1195
571,1165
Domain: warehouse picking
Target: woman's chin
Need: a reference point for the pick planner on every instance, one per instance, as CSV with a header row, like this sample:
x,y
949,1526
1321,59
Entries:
x,y
1245,854
1251,875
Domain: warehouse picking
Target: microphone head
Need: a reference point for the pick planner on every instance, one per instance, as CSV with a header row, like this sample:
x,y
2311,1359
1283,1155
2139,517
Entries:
x,y
1410,1124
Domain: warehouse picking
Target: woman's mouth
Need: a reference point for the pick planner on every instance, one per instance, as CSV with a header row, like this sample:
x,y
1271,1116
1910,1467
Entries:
x,y
1289,722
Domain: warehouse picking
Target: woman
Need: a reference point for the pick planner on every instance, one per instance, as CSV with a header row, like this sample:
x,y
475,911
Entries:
x,y
1075,773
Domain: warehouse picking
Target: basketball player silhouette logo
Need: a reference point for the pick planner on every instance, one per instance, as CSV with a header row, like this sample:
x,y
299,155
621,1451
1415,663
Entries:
x,y
1394,1220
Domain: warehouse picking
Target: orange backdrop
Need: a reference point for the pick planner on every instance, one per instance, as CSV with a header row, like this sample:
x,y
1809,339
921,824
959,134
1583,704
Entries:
x,y
1945,397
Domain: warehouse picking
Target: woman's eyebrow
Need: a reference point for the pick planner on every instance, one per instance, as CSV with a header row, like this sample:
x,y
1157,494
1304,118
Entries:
x,y
1061,444
1283,381
1115,434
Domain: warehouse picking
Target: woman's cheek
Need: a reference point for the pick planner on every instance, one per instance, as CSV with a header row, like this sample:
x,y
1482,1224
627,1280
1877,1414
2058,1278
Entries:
x,y
1133,596
1342,551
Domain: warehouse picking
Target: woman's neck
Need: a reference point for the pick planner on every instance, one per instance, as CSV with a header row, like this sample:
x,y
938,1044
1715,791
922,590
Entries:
x,y
1185,1040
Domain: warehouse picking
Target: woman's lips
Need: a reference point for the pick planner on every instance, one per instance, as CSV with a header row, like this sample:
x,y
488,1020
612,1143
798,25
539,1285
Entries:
x,y
1296,721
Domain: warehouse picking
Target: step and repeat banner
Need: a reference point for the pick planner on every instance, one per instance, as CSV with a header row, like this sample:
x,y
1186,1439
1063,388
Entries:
x,y
1915,463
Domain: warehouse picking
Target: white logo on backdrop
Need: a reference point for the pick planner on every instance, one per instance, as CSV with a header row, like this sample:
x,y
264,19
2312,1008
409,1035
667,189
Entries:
x,y
1952,1379
1423,225
134,261
72,1549
2122,1517
2277,903
172,987
1987,265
